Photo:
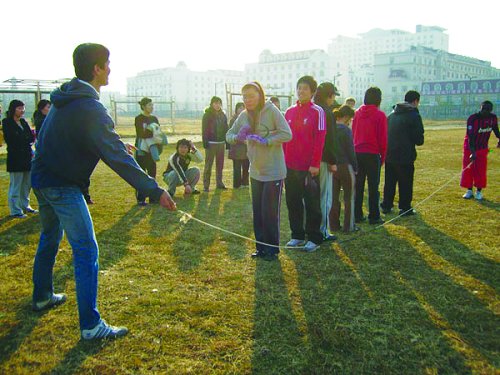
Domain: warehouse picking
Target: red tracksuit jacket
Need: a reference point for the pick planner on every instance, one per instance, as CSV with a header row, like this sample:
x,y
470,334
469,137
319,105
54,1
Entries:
x,y
308,125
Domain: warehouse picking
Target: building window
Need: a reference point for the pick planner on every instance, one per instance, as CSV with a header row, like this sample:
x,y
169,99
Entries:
x,y
487,86
437,87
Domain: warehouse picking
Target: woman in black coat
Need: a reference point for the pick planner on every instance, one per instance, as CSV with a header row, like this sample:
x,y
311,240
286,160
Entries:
x,y
42,109
19,138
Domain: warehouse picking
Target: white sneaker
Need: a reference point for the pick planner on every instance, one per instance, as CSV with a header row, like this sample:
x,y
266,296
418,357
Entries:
x,y
310,247
295,243
102,331
479,196
468,194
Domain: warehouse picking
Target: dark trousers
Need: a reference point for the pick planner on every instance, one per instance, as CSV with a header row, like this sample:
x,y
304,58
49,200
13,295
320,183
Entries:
x,y
266,202
148,165
240,172
402,175
344,178
368,168
214,151
302,188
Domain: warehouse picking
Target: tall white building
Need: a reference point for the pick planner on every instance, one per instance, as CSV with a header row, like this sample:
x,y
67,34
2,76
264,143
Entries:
x,y
352,59
191,90
397,72
278,73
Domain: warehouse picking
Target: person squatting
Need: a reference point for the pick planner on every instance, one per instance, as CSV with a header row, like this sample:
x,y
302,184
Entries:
x,y
311,149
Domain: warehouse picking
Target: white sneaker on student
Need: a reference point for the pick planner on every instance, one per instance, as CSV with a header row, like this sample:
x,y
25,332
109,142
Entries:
x,y
310,247
479,196
468,194
103,331
295,243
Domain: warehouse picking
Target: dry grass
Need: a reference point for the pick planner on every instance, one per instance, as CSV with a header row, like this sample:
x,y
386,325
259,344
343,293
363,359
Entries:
x,y
417,296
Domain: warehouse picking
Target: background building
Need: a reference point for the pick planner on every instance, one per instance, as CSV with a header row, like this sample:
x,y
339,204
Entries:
x,y
397,72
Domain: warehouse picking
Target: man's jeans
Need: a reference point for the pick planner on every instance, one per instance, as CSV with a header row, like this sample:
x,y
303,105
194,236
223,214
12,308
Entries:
x,y
64,208
172,178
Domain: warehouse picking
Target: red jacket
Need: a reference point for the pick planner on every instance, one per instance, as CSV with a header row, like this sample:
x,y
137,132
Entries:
x,y
308,125
369,131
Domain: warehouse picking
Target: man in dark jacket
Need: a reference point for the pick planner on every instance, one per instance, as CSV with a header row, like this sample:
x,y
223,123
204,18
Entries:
x,y
405,131
77,133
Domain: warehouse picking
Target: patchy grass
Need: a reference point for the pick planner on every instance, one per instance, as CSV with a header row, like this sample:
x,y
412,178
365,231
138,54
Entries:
x,y
419,295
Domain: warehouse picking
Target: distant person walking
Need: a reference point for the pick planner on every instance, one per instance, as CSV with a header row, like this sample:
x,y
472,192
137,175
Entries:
x,y
19,138
142,132
405,131
351,102
479,128
77,133
303,158
369,129
214,128
344,176
264,128
42,109
238,154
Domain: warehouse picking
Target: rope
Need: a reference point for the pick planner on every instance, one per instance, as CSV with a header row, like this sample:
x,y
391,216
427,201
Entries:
x,y
187,216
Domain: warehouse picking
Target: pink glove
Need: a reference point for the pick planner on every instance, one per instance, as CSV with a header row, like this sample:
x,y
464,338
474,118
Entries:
x,y
243,133
257,138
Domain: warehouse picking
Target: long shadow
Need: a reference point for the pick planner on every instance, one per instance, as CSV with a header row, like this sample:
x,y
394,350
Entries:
x,y
238,216
278,342
411,334
77,355
193,237
454,251
18,234
112,247
490,204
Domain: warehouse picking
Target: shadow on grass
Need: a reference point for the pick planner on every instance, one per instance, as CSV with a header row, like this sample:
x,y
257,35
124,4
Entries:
x,y
112,247
402,330
455,252
278,342
77,355
490,204
238,218
18,234
194,237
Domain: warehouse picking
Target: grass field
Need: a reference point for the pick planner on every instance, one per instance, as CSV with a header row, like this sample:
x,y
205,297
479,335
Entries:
x,y
418,296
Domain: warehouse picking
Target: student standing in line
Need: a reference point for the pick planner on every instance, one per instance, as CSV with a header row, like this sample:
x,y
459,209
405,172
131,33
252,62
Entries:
x,y
238,154
303,158
479,128
405,131
213,130
324,97
344,177
369,130
42,109
19,138
144,159
265,130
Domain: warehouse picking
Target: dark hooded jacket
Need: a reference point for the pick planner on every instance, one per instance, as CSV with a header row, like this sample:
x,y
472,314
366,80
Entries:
x,y
38,119
77,133
19,140
405,131
213,127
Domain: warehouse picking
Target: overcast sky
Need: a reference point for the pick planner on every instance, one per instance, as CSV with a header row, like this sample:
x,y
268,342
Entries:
x,y
40,36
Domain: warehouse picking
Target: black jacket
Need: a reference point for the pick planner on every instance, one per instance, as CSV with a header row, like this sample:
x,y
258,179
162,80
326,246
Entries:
x,y
328,149
19,141
344,146
213,127
405,131
38,118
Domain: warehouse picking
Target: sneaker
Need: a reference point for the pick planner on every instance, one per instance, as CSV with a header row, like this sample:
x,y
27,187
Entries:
x,y
103,331
479,196
19,216
409,212
56,299
295,243
329,237
206,190
142,204
30,210
385,210
195,191
89,201
222,187
377,221
468,194
310,247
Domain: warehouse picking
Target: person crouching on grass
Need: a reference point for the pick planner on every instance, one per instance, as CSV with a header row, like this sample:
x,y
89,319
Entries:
x,y
344,176
265,130
178,171
479,128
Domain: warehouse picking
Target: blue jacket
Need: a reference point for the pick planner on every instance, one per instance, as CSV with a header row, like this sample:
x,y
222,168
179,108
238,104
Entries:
x,y
77,133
